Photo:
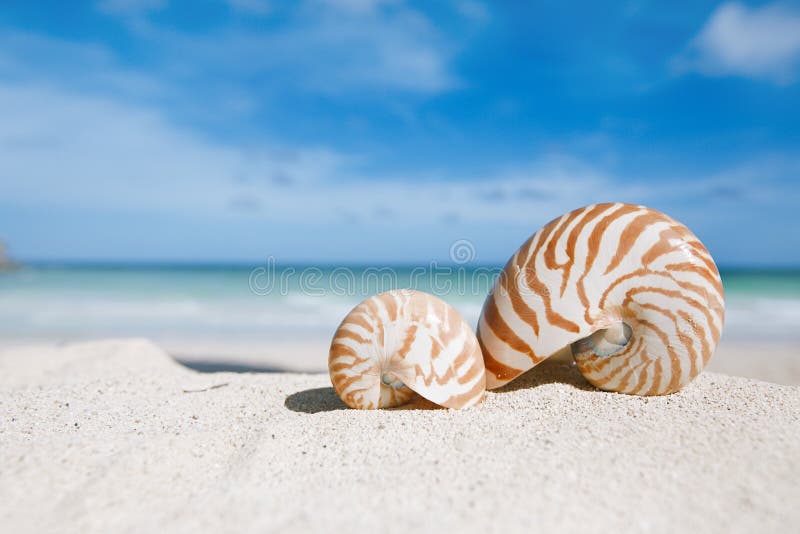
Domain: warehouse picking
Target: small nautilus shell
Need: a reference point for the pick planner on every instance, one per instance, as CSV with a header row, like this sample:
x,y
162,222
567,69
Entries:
x,y
401,343
631,291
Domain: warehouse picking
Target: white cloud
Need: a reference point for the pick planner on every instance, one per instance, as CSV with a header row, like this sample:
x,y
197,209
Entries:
x,y
63,145
334,50
106,140
59,150
762,42
99,166
31,56
321,46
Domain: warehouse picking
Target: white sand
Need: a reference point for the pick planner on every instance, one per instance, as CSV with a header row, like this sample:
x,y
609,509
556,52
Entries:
x,y
769,360
116,437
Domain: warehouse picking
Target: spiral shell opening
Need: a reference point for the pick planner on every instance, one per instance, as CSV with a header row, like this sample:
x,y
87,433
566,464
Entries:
x,y
391,380
605,342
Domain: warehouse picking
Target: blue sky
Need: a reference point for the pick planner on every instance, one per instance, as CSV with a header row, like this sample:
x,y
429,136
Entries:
x,y
383,130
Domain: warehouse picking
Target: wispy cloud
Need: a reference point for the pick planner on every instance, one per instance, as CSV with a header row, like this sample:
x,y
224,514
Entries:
x,y
130,7
110,164
255,7
59,149
23,54
128,139
62,149
319,46
761,42
472,9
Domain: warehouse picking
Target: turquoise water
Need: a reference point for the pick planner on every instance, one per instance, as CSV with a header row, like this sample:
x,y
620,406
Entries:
x,y
774,284
221,302
241,302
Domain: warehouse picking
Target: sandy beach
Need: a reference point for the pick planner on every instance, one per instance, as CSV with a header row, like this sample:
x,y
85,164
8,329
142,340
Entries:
x,y
117,436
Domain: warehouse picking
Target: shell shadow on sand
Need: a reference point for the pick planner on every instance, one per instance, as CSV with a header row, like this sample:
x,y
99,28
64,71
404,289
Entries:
x,y
556,370
315,400
221,366
318,400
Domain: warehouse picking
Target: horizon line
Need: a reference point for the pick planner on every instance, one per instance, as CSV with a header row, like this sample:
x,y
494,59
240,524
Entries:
x,y
149,264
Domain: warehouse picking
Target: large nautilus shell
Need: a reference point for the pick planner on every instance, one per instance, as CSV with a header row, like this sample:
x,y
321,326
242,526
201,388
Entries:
x,y
631,291
401,343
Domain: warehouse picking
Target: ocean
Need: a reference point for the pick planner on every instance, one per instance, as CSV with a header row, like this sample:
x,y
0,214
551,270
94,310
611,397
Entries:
x,y
265,303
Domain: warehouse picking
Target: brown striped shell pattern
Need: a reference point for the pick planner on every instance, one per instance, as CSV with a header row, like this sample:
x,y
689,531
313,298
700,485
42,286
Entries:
x,y
633,292
401,343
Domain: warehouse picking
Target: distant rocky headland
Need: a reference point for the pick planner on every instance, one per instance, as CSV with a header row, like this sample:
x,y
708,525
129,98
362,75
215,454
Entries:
x,y
5,262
